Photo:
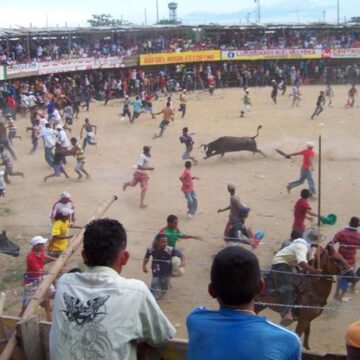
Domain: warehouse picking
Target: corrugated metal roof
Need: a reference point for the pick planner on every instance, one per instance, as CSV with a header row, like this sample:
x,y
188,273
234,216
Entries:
x,y
33,31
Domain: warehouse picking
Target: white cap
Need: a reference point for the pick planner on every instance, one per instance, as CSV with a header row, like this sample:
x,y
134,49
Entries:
x,y
65,211
310,144
65,195
59,127
36,240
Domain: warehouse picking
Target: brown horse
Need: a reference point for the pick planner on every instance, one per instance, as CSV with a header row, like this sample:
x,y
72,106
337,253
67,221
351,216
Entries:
x,y
315,290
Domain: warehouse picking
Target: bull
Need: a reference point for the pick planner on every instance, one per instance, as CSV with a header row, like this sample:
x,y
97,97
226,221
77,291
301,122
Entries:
x,y
226,144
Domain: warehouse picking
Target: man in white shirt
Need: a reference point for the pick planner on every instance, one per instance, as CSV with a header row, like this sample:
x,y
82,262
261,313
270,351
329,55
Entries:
x,y
140,175
100,314
63,139
49,137
285,261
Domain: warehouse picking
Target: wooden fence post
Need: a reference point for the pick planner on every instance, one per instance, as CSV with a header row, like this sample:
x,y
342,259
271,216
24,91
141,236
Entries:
x,y
29,332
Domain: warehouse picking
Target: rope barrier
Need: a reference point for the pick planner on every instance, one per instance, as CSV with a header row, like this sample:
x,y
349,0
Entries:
x,y
155,231
192,298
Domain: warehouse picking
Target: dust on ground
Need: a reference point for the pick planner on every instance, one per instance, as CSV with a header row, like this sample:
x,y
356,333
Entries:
x,y
261,184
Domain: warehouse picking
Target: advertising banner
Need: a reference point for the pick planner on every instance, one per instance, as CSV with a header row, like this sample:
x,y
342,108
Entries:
x,y
180,57
276,54
352,53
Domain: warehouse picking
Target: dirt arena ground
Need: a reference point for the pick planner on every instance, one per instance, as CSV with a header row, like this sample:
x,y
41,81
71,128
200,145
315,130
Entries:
x,y
261,184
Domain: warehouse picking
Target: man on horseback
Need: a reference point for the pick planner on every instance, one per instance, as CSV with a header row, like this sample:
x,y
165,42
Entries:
x,y
285,261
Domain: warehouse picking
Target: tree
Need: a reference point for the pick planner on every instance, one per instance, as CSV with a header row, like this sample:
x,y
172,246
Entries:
x,y
355,19
106,20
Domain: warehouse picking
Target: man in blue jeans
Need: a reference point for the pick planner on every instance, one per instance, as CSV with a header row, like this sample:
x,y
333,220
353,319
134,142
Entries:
x,y
306,169
235,331
161,265
188,189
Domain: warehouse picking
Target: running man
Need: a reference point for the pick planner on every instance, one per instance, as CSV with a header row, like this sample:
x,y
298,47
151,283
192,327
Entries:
x,y
141,176
12,129
161,266
6,161
246,104
78,152
137,104
183,101
352,93
296,96
126,108
188,189
90,133
58,167
35,132
274,91
319,105
188,141
167,116
329,94
306,169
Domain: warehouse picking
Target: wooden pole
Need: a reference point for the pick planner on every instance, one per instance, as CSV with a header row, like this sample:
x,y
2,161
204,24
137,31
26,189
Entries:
x,y
319,201
51,276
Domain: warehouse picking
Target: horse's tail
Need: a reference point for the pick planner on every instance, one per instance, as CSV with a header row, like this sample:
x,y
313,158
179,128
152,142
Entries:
x,y
204,146
257,133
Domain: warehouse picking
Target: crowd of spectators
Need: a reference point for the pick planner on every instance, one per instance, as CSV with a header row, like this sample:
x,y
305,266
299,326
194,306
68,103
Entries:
x,y
127,44
104,84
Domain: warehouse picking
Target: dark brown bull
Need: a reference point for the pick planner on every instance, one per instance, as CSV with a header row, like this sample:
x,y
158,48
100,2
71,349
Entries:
x,y
226,144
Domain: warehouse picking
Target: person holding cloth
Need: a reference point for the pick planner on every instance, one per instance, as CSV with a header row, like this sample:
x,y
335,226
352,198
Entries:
x,y
306,169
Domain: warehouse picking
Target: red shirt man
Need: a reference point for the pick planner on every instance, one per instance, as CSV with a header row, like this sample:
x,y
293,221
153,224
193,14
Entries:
x,y
349,240
308,155
35,260
187,181
302,211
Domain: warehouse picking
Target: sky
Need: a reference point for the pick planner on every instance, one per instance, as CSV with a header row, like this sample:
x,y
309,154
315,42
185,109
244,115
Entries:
x,y
39,13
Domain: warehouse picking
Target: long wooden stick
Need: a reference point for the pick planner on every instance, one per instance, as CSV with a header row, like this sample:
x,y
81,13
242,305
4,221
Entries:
x,y
51,276
319,201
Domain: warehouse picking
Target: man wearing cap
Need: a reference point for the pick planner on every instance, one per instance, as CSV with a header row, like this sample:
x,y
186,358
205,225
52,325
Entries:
x,y
65,201
285,263
352,338
237,217
59,232
35,261
306,168
140,175
349,242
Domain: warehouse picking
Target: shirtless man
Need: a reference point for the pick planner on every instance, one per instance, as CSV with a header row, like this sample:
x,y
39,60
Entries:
x,y
90,133
183,101
167,116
